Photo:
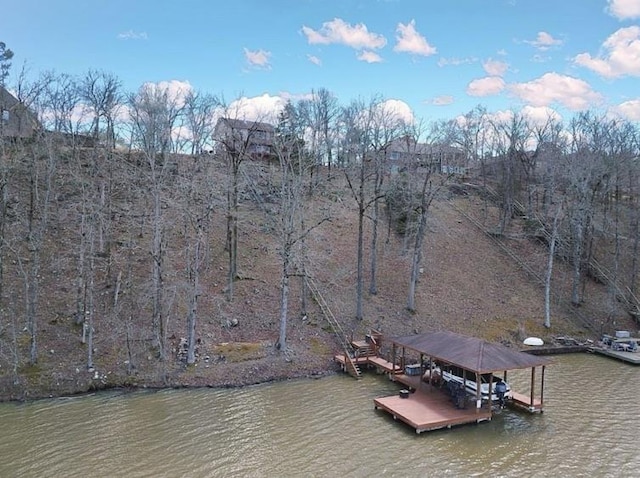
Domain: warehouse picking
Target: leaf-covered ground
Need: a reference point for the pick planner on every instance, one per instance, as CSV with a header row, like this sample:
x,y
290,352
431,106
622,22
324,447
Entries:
x,y
468,284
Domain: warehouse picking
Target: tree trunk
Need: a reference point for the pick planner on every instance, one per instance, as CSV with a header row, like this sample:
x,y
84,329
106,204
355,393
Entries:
x,y
578,237
425,201
360,273
156,276
373,286
193,311
90,293
32,301
232,228
416,259
635,228
80,282
549,272
284,300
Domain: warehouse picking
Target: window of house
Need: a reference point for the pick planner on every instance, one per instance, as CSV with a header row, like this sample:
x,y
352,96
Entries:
x,y
5,115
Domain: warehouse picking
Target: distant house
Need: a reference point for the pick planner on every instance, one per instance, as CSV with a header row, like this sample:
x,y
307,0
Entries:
x,y
405,153
452,160
253,139
16,120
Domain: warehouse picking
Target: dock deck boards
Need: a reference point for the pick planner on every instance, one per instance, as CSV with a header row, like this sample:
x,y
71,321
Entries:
x,y
383,364
628,357
431,409
523,401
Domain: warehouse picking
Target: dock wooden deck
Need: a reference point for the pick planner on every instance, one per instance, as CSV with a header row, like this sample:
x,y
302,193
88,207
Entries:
x,y
429,409
383,365
522,401
628,357
378,362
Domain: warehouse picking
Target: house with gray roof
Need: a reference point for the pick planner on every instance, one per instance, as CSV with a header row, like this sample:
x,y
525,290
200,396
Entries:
x,y
16,120
253,139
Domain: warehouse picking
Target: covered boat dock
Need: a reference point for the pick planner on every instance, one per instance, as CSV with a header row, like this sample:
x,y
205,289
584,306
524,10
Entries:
x,y
427,407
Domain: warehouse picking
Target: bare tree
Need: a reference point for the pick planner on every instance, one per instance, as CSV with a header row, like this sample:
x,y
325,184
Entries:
x,y
324,111
42,167
356,118
549,156
153,115
101,92
238,140
427,194
633,187
40,159
292,227
550,259
585,168
511,146
199,109
62,101
471,133
196,198
386,128
5,65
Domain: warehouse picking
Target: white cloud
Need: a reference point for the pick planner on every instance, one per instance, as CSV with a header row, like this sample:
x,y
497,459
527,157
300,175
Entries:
x,y
544,41
257,58
550,88
540,115
176,89
455,61
490,85
624,9
410,41
369,56
314,59
258,108
337,31
538,58
398,110
442,100
495,67
621,55
500,117
132,35
629,110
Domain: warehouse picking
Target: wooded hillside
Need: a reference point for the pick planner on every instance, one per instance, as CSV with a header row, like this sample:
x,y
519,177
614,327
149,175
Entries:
x,y
138,265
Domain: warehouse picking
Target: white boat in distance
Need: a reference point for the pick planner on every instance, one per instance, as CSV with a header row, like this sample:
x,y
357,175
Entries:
x,y
455,374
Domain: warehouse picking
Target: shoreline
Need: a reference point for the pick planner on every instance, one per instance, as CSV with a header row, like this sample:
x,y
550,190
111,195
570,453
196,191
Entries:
x,y
271,369
228,375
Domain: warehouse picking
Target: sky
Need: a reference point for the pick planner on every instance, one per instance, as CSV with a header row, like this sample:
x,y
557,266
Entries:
x,y
432,59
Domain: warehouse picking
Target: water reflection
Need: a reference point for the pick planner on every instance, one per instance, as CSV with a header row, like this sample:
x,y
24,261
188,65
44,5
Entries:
x,y
326,427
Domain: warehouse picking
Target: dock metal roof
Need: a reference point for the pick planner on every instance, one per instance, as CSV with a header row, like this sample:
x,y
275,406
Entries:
x,y
470,353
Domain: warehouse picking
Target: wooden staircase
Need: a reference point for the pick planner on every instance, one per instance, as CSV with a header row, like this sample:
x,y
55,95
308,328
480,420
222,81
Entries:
x,y
350,352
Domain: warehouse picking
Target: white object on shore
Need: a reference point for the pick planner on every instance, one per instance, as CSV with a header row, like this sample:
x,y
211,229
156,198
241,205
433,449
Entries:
x,y
533,341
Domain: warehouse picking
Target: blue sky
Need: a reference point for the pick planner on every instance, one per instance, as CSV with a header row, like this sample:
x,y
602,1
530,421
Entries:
x,y
437,58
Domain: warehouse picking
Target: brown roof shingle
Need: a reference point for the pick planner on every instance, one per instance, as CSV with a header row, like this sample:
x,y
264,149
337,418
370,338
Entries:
x,y
470,353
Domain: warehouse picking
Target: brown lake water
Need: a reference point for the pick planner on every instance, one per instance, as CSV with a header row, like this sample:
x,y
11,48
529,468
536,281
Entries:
x,y
327,428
